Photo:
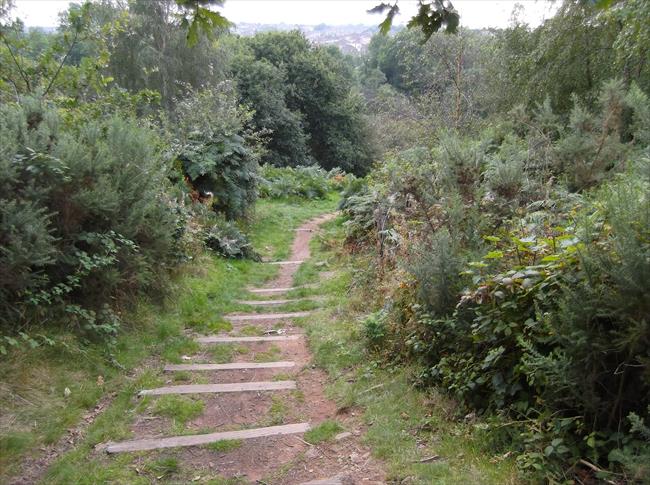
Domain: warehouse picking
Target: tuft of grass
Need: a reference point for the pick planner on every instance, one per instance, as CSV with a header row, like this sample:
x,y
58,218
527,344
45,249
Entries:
x,y
13,444
227,481
282,376
181,376
277,412
180,409
163,467
270,355
323,432
251,331
177,347
222,353
224,446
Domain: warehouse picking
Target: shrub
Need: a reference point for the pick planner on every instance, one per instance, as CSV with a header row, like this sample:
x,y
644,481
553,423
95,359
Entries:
x,y
217,155
225,238
517,275
309,182
84,217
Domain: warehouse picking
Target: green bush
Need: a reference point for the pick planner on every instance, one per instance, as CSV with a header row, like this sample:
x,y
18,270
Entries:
x,y
515,271
225,238
310,182
218,156
84,217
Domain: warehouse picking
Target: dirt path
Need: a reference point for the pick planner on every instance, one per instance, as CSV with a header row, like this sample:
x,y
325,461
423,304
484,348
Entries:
x,y
278,458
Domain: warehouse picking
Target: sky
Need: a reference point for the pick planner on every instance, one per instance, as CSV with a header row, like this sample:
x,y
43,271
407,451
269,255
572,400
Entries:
x,y
473,13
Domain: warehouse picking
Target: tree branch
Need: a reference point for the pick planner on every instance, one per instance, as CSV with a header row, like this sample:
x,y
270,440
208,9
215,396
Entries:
x,y
56,74
20,69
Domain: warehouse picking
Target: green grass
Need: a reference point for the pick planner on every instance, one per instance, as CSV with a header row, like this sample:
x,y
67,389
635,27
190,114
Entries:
x,y
179,409
224,446
225,353
278,412
404,424
163,467
251,331
270,355
33,408
323,432
277,220
282,376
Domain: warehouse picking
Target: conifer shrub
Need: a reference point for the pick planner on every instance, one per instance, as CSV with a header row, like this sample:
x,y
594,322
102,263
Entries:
x,y
85,218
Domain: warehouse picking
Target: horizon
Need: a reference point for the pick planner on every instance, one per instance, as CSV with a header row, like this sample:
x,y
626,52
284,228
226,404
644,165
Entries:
x,y
475,14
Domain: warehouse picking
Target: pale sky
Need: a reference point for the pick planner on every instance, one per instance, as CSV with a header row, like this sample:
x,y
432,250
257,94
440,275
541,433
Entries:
x,y
473,13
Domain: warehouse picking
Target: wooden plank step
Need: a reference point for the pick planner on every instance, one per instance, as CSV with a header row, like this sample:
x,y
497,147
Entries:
x,y
204,439
265,316
326,481
215,339
262,291
286,263
266,302
220,388
231,366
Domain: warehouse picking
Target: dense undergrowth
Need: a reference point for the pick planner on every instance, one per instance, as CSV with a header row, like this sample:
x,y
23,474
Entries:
x,y
514,271
416,432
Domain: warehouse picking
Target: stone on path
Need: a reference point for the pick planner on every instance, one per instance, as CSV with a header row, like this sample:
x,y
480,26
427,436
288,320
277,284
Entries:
x,y
204,439
231,366
215,339
265,316
220,388
286,263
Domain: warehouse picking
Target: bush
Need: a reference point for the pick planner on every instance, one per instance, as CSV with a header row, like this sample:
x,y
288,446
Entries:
x,y
516,272
225,238
218,156
308,182
84,217
555,328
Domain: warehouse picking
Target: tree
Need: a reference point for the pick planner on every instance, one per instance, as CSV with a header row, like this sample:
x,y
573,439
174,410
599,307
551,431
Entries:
x,y
320,87
263,86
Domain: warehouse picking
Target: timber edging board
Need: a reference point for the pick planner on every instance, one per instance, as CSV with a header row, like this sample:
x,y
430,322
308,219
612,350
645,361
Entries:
x,y
230,366
204,439
215,339
220,388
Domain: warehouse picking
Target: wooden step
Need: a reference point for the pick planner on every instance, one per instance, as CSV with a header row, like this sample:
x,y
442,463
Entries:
x,y
220,388
231,366
265,316
204,439
326,481
266,302
215,339
286,263
264,291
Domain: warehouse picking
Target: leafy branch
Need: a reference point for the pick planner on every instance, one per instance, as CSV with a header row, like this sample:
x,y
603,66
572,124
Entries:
x,y
432,16
201,18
